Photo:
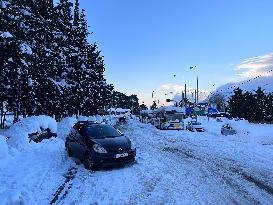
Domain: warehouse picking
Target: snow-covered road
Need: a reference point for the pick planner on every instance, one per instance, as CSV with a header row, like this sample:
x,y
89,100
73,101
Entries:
x,y
180,167
172,167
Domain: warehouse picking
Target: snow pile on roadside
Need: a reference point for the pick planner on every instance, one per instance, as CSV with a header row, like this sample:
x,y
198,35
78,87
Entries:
x,y
3,147
87,118
96,118
246,132
17,134
111,120
65,126
261,133
33,176
32,172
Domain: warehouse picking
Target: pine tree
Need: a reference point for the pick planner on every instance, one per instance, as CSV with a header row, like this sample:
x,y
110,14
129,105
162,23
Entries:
x,y
259,106
236,104
248,105
17,56
268,108
48,66
153,106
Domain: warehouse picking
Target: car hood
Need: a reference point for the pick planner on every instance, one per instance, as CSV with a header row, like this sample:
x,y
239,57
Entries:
x,y
114,144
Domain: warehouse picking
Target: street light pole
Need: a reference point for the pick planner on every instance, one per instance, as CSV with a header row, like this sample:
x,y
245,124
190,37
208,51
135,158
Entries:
x,y
197,93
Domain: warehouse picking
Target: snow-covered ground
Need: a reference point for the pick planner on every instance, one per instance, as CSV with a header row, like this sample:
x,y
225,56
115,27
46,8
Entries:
x,y
173,167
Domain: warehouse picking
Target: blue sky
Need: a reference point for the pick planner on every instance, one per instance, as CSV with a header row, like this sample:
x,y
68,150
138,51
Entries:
x,y
146,42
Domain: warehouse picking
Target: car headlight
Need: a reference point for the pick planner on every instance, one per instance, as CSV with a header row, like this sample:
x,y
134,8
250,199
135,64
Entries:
x,y
133,146
99,149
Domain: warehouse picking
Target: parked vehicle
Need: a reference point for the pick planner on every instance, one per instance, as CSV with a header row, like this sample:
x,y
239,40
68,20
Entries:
x,y
195,126
227,130
169,118
122,119
40,136
99,145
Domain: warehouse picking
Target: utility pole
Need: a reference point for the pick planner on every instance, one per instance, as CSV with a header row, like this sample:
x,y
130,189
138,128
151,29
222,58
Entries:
x,y
195,96
197,90
185,90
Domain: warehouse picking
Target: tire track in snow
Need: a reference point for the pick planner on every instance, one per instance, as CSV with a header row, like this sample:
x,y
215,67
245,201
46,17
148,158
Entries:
x,y
237,182
227,169
62,190
158,177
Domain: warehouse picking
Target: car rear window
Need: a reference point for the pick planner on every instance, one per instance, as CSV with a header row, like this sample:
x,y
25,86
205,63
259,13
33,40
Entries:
x,y
100,131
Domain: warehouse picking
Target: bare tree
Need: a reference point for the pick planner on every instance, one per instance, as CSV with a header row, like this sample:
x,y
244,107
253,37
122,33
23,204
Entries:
x,y
219,100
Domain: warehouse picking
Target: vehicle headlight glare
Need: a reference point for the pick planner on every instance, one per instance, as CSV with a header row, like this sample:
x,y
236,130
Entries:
x,y
99,149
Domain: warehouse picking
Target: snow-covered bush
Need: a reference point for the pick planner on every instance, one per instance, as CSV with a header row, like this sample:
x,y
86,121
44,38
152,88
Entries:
x,y
3,147
18,134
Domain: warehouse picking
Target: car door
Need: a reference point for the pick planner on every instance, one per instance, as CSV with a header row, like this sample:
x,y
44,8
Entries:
x,y
77,144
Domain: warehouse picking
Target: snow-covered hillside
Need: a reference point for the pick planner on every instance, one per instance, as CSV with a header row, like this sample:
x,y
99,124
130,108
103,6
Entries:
x,y
265,82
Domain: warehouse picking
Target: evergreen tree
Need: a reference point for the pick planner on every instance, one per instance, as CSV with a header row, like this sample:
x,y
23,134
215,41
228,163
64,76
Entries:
x,y
248,104
143,107
48,66
154,105
258,109
269,108
236,104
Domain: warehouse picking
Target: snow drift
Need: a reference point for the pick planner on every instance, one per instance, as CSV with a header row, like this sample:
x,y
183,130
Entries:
x,y
18,134
3,147
65,126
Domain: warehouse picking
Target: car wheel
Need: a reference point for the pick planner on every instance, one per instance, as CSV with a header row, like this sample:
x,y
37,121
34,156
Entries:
x,y
88,164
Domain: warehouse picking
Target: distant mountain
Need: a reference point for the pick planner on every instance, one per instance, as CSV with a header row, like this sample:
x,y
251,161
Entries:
x,y
250,85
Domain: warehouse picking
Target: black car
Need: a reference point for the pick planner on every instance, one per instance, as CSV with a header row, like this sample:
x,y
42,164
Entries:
x,y
99,145
122,119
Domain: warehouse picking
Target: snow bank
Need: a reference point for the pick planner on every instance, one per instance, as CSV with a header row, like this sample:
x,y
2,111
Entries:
x,y
18,133
65,126
262,133
87,118
110,120
33,177
3,147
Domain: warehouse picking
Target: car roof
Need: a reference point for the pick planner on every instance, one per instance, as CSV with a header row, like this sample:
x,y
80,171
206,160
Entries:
x,y
81,124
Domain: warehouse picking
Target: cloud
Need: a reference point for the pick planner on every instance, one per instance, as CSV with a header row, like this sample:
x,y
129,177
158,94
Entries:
x,y
177,90
256,66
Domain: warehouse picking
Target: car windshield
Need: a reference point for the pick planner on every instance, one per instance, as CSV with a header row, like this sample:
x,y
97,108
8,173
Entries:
x,y
100,131
174,117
